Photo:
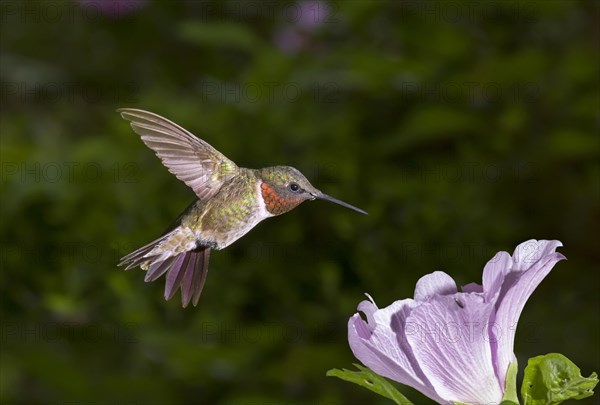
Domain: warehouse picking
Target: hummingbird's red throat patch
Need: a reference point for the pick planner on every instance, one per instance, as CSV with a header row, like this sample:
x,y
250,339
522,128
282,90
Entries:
x,y
274,203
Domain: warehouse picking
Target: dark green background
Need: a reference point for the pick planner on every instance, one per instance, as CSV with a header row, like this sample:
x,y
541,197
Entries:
x,y
463,128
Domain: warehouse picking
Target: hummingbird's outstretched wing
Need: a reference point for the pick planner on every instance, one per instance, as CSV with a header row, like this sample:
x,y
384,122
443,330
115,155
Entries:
x,y
189,158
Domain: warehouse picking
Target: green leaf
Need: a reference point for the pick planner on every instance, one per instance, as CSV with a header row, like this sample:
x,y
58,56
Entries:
x,y
510,391
368,379
553,378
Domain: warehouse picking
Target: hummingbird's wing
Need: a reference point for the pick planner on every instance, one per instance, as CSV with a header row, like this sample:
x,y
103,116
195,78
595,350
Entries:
x,y
193,161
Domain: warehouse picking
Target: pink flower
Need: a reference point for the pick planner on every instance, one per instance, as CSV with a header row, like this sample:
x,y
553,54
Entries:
x,y
454,346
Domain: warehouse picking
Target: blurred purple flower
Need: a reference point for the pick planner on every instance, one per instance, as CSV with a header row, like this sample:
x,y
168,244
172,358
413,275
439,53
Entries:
x,y
113,8
302,18
454,346
312,13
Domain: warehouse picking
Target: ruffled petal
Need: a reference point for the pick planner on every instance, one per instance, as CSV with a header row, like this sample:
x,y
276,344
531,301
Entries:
x,y
514,297
369,308
436,283
452,348
530,252
385,349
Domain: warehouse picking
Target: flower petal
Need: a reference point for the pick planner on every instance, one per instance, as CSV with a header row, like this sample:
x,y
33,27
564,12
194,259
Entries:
x,y
514,296
436,283
452,348
494,274
530,252
384,347
369,308
472,288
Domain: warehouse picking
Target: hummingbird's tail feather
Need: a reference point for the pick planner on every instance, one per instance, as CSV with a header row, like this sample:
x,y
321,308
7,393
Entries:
x,y
139,256
157,269
187,271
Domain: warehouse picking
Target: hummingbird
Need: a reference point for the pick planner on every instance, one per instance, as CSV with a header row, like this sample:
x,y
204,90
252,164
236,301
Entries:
x,y
231,200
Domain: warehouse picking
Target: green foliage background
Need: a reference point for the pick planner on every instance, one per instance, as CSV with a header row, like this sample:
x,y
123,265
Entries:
x,y
462,129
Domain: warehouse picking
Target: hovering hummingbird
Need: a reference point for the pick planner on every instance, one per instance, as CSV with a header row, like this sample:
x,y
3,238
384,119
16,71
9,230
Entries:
x,y
231,201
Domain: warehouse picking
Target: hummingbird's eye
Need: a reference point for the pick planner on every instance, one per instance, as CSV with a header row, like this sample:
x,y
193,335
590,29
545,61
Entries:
x,y
294,187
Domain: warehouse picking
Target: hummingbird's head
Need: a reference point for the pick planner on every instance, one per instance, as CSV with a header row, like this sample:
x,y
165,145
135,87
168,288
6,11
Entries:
x,y
284,188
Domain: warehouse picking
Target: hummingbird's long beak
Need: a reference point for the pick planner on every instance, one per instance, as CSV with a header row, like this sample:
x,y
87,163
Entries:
x,y
323,196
